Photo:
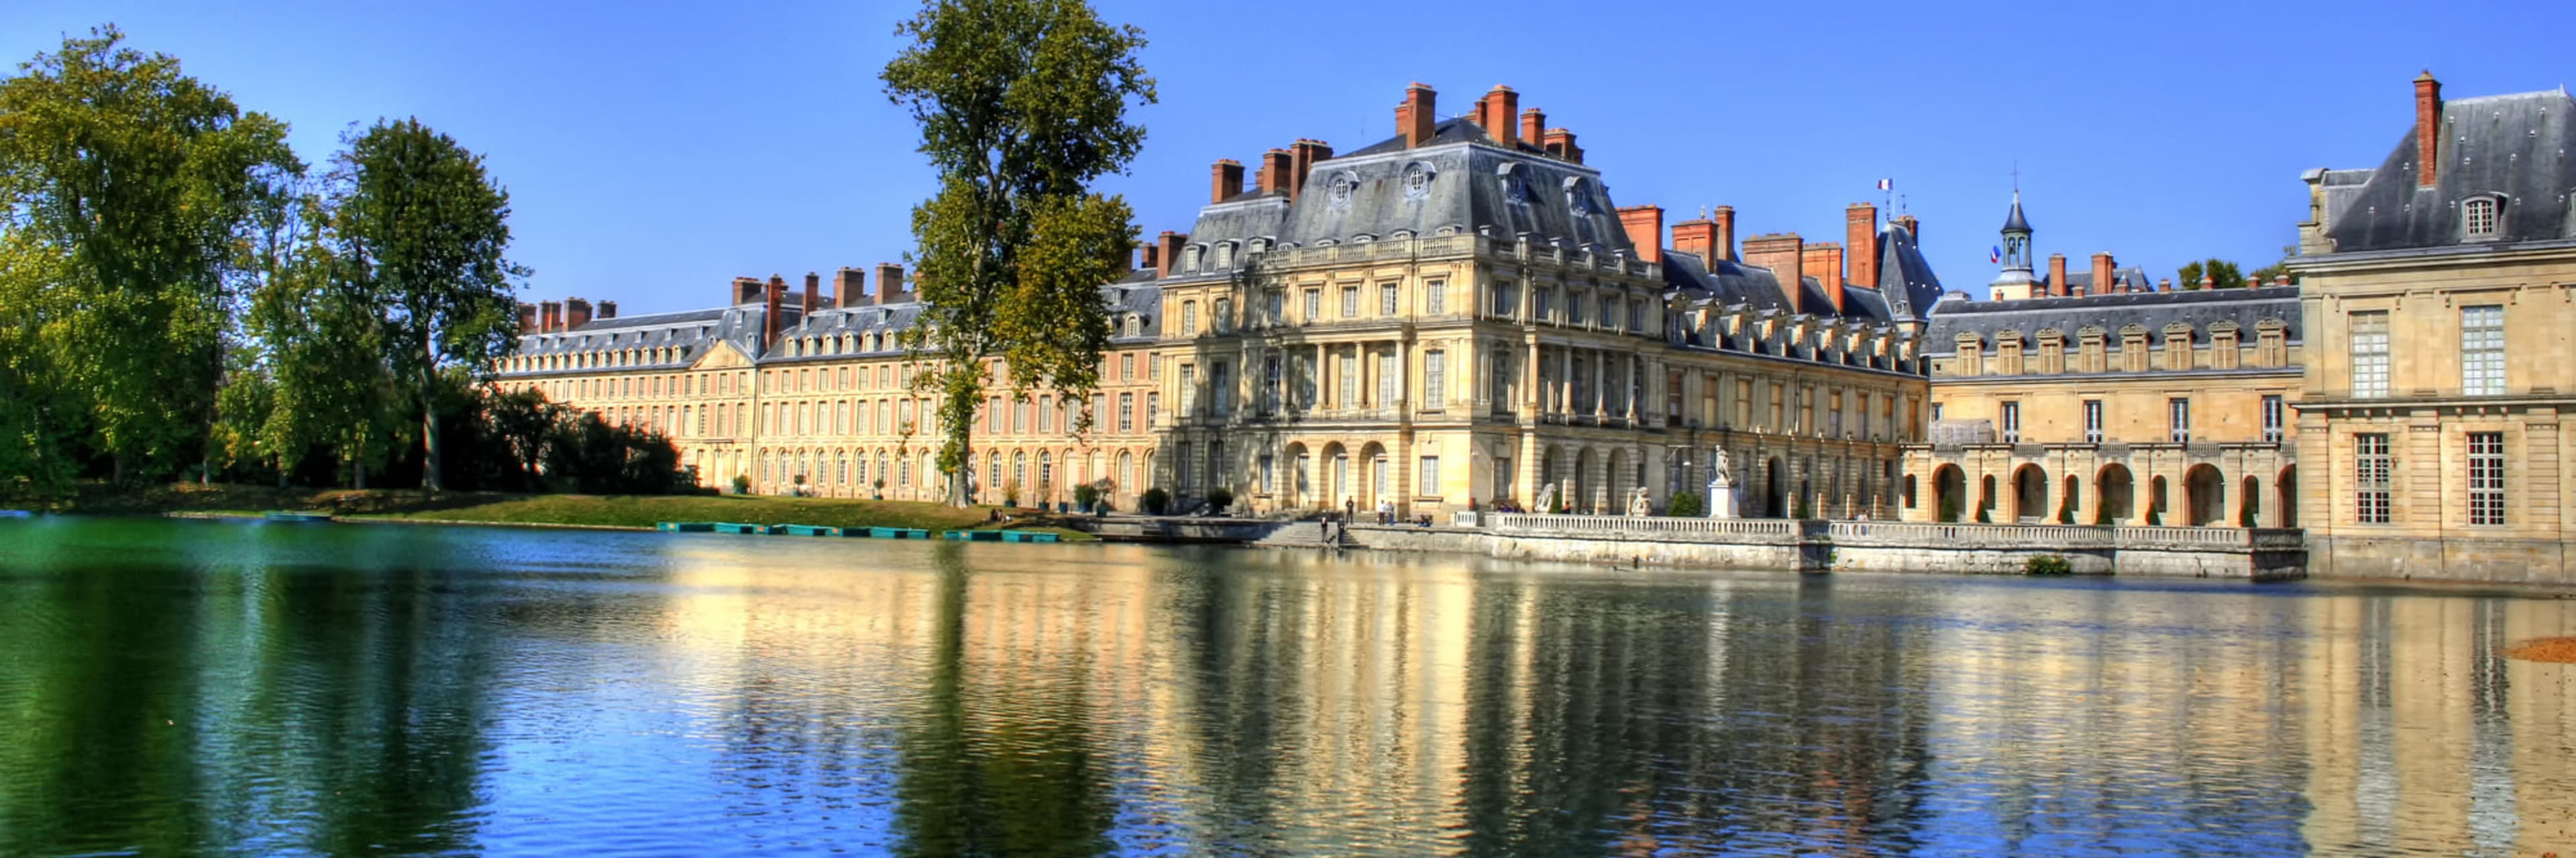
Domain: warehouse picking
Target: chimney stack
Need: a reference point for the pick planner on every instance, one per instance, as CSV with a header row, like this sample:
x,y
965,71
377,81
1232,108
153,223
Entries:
x,y
1498,111
608,309
745,290
1784,254
813,293
1273,177
1414,118
1225,180
776,295
2102,274
1697,237
1533,126
1167,252
528,319
1913,228
1825,261
550,317
1150,259
1725,218
850,288
1860,239
1560,143
576,313
2164,285
1645,226
2428,118
1302,158
2056,274
889,283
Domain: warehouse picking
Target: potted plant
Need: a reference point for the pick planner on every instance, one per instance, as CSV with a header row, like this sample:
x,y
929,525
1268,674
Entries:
x,y
1011,494
877,489
1155,500
742,484
1220,499
1085,495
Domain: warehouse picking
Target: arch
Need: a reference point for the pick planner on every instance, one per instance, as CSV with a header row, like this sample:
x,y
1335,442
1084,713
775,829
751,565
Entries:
x,y
2156,507
2285,489
2204,495
1295,489
1375,477
1775,489
1986,498
2249,502
2030,494
2069,506
2115,495
1335,482
1580,496
1949,493
1618,479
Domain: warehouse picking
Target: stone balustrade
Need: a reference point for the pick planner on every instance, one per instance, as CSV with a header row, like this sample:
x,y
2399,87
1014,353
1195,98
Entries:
x,y
1512,522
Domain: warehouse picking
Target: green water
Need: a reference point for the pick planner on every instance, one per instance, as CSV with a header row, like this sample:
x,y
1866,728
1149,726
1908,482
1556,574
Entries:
x,y
177,688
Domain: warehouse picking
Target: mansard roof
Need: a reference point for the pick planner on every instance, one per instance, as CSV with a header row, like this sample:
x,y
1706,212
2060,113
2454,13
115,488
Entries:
x,y
2198,308
2513,146
1904,276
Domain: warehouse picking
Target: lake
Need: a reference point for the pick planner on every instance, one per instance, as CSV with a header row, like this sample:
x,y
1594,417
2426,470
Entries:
x,y
197,687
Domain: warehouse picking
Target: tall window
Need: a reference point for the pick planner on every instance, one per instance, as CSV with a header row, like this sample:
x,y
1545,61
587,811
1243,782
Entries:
x,y
1224,321
1222,382
1314,305
2479,218
2178,420
1153,404
1507,300
1189,318
1189,390
1275,305
1271,388
2370,353
2012,422
2482,350
1435,298
1350,393
2486,478
1127,367
1435,380
2370,478
1390,381
1386,299
1430,483
2273,418
1350,302
2092,421
1936,412
1268,481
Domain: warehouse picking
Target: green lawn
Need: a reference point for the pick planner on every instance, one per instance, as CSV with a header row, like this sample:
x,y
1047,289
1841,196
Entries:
x,y
493,508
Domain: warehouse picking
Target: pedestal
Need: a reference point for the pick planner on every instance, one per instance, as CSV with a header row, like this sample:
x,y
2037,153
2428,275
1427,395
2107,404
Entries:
x,y
1721,501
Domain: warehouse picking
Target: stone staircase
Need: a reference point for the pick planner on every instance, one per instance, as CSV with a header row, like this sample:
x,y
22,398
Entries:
x,y
1302,534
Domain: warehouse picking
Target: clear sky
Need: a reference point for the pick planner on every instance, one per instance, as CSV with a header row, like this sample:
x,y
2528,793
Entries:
x,y
655,150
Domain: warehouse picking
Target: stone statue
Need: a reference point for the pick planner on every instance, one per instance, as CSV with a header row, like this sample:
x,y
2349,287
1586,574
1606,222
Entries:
x,y
1722,475
1546,500
1640,502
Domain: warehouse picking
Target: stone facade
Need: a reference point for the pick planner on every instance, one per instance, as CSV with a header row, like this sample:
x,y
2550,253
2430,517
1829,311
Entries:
x,y
2441,287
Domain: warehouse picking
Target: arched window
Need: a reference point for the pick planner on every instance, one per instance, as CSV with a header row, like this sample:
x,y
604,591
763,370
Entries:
x,y
2478,218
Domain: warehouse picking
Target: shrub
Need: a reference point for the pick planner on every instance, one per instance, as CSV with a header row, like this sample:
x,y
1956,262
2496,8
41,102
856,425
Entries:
x,y
1220,499
2047,564
742,484
2066,512
1011,493
1684,505
2245,516
1949,510
2155,518
1802,511
1085,495
2101,515
1982,517
1155,500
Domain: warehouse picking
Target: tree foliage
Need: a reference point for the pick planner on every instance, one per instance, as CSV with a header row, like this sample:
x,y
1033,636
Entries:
x,y
126,192
1022,104
419,232
2222,274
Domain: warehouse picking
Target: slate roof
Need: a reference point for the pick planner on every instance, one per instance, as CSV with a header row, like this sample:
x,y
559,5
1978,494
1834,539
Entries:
x,y
1904,277
2199,308
687,335
2015,222
2512,145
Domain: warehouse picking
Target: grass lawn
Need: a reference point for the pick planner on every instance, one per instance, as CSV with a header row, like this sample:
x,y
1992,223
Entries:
x,y
495,508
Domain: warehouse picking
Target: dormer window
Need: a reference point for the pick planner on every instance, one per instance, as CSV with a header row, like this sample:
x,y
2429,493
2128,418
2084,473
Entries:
x,y
1224,255
2480,218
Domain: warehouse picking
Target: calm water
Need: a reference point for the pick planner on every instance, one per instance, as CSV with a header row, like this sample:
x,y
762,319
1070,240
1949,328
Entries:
x,y
174,687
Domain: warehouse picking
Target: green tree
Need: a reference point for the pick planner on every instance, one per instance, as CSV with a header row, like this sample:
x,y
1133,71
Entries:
x,y
2222,273
1022,104
2277,270
420,230
41,415
142,181
525,422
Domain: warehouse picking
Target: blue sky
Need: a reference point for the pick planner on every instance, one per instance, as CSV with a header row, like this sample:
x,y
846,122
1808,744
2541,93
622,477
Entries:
x,y
653,151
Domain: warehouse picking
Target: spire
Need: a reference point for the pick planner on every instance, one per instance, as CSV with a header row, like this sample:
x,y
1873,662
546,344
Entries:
x,y
2015,222
2014,253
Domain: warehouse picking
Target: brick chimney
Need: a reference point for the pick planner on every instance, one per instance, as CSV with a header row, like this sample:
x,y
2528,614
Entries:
x,y
1824,261
1860,239
813,294
2102,273
851,287
1302,158
776,295
745,290
608,309
1645,226
1225,180
1784,254
889,283
1560,143
1725,219
1533,126
1167,252
528,319
1273,175
1913,228
1149,257
1697,237
2056,274
576,313
2428,133
549,317
1498,111
1415,117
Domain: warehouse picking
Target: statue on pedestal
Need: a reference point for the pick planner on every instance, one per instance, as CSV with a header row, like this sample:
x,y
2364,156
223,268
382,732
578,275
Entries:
x,y
1546,500
1721,488
1722,475
1640,503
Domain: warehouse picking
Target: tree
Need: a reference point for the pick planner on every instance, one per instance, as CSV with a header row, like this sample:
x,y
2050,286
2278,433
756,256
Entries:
x,y
1022,104
420,231
2277,270
2222,273
524,422
139,181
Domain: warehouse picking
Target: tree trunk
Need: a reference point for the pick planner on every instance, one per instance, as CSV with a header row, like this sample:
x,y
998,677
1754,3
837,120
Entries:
x,y
430,481
116,471
358,475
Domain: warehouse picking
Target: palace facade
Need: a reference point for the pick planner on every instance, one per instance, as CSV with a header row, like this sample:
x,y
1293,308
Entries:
x,y
2441,287
1454,316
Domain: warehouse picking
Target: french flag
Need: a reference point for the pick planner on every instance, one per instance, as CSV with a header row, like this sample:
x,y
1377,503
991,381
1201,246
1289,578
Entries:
x,y
1996,255
1887,184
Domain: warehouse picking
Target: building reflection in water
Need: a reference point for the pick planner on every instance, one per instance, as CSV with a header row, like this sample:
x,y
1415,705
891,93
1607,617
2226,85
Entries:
x,y
463,690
